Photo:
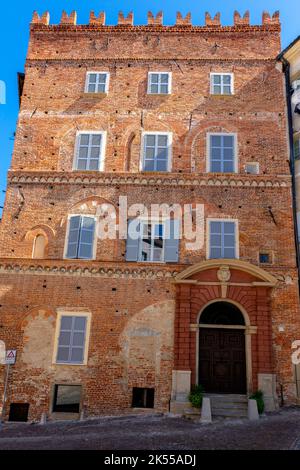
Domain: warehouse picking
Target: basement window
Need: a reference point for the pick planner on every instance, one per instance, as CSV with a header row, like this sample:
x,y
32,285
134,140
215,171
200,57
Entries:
x,y
18,412
142,397
66,398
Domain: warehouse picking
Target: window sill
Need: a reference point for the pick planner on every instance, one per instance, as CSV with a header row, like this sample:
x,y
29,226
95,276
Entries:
x,y
141,408
68,364
96,95
222,95
75,170
216,173
155,263
158,94
144,172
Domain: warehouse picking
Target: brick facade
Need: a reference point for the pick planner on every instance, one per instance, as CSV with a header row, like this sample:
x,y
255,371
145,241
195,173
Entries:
x,y
137,340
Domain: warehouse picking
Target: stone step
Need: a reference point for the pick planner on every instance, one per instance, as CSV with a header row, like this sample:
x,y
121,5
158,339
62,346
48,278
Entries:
x,y
227,398
228,405
225,413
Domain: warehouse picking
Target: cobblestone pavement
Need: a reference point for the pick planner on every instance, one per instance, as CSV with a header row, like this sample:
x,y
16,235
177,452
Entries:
x,y
280,430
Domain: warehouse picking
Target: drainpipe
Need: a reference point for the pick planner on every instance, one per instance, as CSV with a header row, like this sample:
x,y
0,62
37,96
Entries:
x,y
286,70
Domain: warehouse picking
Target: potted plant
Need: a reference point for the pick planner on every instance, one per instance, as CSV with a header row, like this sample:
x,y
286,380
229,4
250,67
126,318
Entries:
x,y
196,396
259,397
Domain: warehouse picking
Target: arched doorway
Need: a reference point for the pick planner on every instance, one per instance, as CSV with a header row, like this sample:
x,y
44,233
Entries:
x,y
222,351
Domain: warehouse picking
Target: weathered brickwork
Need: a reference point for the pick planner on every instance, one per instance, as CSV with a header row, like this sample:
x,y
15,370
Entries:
x,y
140,318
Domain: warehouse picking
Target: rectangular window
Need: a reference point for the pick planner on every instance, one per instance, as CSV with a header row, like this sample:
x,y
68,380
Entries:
x,y
66,399
159,83
264,258
222,239
152,241
142,397
156,152
71,340
221,83
97,82
81,235
222,153
252,168
18,412
297,148
89,151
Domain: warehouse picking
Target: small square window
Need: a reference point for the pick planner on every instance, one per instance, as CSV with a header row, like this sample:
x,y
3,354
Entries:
x,y
252,168
97,82
159,83
142,397
66,398
264,258
221,84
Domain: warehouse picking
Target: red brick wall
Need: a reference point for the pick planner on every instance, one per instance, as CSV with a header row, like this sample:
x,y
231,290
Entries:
x,y
43,190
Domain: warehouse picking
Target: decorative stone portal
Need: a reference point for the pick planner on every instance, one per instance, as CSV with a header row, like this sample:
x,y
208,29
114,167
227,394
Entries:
x,y
236,339
222,354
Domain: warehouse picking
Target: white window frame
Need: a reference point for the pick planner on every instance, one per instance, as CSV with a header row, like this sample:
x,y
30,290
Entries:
x,y
67,237
213,74
61,313
170,142
160,72
86,88
226,134
237,241
102,150
152,222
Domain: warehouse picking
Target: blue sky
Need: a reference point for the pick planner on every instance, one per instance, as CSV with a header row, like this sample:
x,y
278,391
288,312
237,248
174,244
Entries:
x,y
14,27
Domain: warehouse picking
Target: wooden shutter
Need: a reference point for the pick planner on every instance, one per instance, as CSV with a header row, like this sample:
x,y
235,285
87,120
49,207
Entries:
x,y
172,242
133,241
73,236
86,238
229,241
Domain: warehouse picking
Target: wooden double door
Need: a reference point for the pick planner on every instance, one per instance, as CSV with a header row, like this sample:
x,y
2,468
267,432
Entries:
x,y
222,360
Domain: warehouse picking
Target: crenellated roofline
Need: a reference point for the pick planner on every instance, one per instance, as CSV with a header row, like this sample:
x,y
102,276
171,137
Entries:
x,y
155,23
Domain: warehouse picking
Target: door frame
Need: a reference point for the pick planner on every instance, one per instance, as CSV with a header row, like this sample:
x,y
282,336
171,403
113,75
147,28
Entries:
x,y
248,331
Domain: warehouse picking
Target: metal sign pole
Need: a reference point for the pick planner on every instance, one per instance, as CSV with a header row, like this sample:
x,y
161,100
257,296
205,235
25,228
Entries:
x,y
5,392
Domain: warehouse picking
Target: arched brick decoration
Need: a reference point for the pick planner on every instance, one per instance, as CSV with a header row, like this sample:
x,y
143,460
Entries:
x,y
248,287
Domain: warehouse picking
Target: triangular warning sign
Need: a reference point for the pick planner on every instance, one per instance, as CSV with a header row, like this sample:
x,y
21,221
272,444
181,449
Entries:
x,y
10,354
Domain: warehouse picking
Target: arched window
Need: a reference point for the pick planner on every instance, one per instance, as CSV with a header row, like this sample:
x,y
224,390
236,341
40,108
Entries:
x,y
222,313
39,246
